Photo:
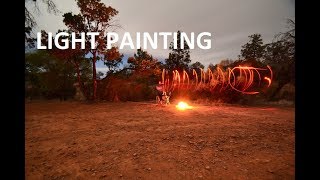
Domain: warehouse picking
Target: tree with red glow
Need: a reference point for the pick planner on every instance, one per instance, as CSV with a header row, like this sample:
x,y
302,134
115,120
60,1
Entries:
x,y
94,16
144,67
74,57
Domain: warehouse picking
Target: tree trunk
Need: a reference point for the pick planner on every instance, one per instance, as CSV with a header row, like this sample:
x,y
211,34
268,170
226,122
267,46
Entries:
x,y
280,85
94,76
82,88
116,98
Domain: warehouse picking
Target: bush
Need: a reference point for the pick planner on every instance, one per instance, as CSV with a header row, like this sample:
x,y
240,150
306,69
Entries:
x,y
112,88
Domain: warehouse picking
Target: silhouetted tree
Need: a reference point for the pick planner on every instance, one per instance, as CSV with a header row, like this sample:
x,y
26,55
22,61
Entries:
x,y
179,58
48,76
212,67
29,17
197,65
74,57
100,74
94,16
254,49
144,67
280,55
30,21
226,62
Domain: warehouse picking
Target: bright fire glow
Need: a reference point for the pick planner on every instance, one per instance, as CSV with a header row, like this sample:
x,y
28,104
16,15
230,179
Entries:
x,y
182,106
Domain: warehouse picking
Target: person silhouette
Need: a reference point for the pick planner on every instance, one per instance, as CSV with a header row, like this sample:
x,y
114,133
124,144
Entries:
x,y
160,90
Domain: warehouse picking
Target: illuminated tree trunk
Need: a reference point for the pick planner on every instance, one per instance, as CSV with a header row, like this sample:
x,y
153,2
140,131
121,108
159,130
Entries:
x,y
94,76
94,16
116,98
81,85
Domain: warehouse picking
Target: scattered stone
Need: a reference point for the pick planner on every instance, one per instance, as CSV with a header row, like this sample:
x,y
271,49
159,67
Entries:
x,y
135,154
149,169
189,136
207,167
270,171
120,175
93,174
185,162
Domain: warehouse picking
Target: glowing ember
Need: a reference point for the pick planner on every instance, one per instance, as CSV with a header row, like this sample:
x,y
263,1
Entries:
x,y
182,106
269,80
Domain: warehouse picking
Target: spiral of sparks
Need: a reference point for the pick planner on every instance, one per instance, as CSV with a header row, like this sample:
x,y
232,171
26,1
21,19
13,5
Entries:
x,y
240,78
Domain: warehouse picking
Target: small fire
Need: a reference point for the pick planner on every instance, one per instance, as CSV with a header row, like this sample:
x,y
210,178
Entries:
x,y
182,106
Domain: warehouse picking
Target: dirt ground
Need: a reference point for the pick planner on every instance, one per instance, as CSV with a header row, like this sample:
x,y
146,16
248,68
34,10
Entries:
x,y
131,140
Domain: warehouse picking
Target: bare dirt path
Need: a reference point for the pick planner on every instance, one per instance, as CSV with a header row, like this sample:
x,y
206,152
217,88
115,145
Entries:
x,y
72,140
